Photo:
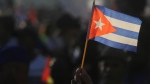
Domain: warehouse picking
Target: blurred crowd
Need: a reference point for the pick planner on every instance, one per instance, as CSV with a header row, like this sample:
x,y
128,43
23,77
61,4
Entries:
x,y
42,46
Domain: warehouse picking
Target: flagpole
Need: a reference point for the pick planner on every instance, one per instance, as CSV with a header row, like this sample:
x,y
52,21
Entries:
x,y
84,53
94,2
85,47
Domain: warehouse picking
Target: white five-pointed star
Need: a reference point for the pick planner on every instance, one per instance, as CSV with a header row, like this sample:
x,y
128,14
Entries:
x,y
99,24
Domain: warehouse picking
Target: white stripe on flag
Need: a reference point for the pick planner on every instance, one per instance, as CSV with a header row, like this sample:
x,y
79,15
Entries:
x,y
120,39
123,25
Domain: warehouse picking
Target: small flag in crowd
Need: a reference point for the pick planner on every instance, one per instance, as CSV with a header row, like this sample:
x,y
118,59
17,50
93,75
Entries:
x,y
46,76
114,29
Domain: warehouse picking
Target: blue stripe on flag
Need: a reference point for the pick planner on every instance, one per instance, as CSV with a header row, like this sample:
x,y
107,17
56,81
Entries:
x,y
126,33
119,16
115,44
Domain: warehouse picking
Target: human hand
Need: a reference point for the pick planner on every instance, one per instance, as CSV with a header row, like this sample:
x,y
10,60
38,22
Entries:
x,y
81,77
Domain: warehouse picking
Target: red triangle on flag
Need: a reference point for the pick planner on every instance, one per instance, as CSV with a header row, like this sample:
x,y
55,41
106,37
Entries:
x,y
99,25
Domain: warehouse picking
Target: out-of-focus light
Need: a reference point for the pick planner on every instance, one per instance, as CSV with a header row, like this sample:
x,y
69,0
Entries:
x,y
52,62
129,59
147,11
22,25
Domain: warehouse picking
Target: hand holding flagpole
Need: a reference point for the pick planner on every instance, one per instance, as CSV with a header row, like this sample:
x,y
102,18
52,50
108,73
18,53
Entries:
x,y
109,35
124,41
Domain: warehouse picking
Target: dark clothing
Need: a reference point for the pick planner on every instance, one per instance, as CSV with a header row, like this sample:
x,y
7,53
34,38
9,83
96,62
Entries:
x,y
13,53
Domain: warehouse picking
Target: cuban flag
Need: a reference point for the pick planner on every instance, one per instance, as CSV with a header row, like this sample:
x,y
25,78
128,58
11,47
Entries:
x,y
114,29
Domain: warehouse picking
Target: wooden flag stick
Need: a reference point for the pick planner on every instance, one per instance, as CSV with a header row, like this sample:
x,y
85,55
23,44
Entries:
x,y
94,2
84,53
85,47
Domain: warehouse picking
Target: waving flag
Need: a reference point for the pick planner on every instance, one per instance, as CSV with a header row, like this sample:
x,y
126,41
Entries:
x,y
114,29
